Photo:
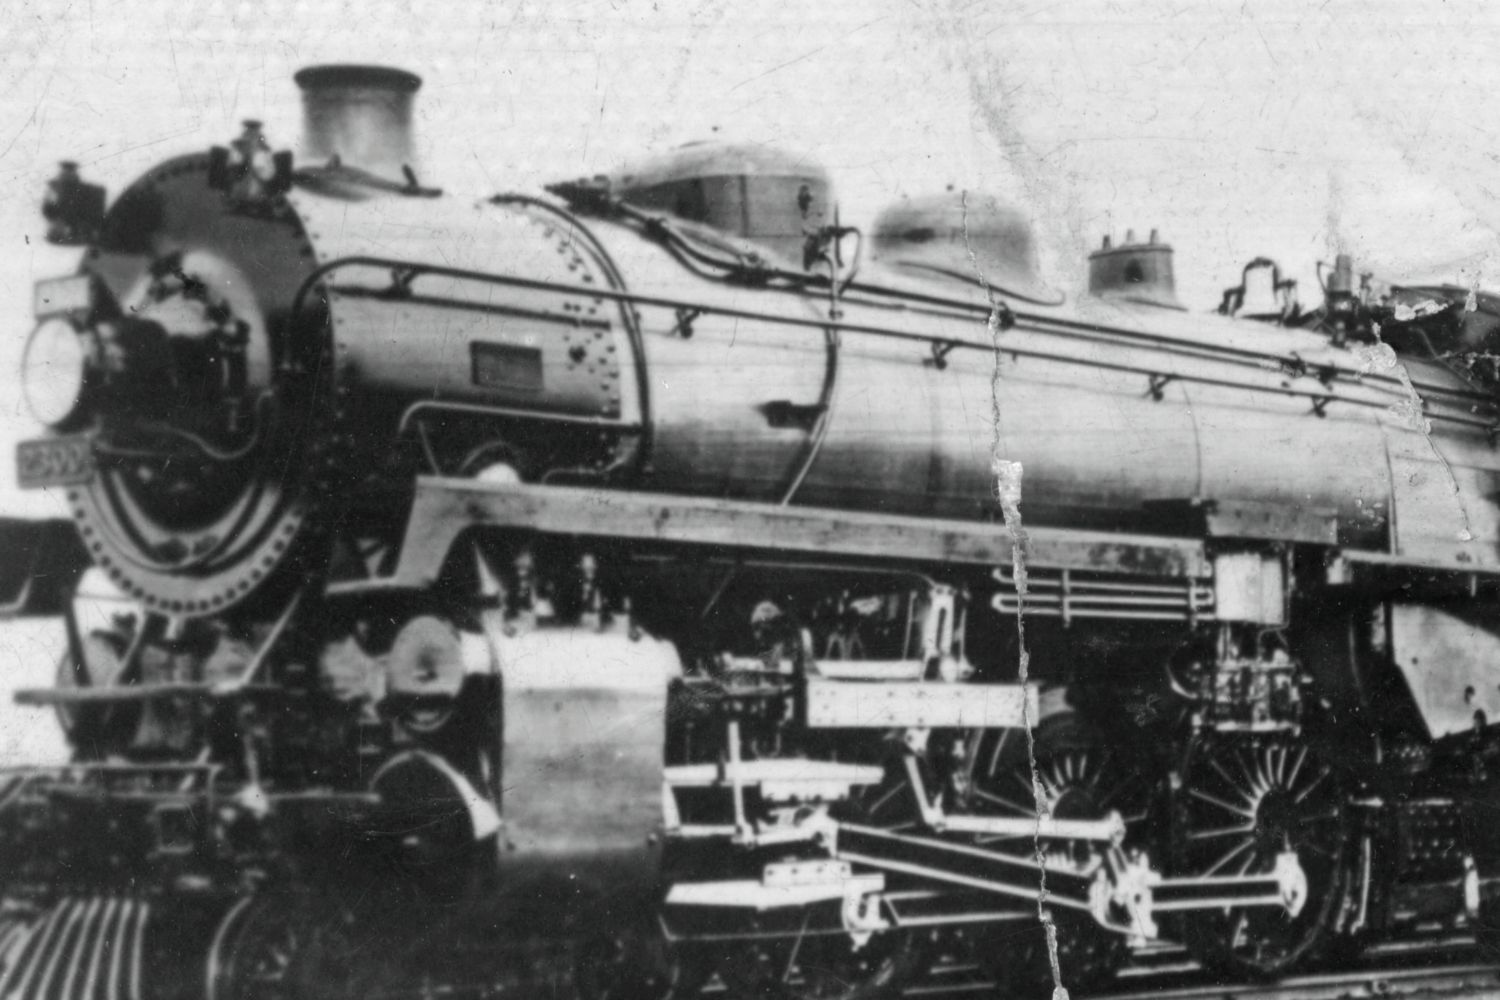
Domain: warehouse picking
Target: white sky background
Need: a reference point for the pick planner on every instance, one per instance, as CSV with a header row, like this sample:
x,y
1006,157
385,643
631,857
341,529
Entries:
x,y
1268,127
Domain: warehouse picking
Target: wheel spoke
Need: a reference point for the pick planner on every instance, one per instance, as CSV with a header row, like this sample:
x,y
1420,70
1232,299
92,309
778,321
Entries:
x,y
1230,855
995,754
1099,772
1001,800
1205,797
791,960
1229,781
881,802
1314,848
1291,781
1224,831
1243,766
1258,781
1302,795
1331,814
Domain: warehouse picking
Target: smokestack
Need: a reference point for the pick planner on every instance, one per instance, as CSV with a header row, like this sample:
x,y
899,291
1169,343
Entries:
x,y
361,114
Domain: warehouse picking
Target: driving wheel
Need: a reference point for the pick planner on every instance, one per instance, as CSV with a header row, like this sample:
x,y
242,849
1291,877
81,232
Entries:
x,y
822,965
811,956
277,949
1246,799
1077,776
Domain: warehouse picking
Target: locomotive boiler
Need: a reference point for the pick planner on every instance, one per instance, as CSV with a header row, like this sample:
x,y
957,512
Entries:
x,y
655,582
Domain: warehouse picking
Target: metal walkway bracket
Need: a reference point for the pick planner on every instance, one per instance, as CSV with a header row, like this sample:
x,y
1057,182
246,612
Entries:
x,y
445,507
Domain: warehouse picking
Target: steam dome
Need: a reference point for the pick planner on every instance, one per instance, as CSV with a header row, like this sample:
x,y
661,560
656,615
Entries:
x,y
964,236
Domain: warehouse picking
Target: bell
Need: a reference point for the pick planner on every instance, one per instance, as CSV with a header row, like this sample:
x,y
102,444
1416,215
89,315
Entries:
x,y
1262,299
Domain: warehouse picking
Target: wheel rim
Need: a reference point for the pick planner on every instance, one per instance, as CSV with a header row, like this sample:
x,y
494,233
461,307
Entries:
x,y
267,949
254,954
1244,802
822,966
834,969
628,966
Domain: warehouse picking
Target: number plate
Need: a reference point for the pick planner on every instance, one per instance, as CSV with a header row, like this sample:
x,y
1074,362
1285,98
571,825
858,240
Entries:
x,y
62,295
501,366
64,461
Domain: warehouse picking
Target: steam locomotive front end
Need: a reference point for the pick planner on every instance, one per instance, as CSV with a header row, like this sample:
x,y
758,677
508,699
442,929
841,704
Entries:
x,y
253,362
186,403
250,353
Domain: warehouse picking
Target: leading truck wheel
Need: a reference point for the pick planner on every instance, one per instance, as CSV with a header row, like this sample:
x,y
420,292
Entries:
x,y
808,956
1487,926
638,963
821,966
280,949
1245,800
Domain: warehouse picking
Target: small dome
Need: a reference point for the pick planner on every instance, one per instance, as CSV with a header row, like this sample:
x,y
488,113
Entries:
x,y
1135,272
966,237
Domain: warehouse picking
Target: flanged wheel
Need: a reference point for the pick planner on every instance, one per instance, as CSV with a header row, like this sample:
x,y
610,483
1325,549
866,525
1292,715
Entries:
x,y
638,965
277,949
1487,926
822,966
834,968
828,964
1077,776
1245,800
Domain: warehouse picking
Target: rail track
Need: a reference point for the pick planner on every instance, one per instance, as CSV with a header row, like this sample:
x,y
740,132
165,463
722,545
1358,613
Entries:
x,y
1439,968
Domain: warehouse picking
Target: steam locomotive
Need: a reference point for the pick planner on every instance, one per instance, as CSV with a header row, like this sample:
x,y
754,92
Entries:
x,y
659,583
